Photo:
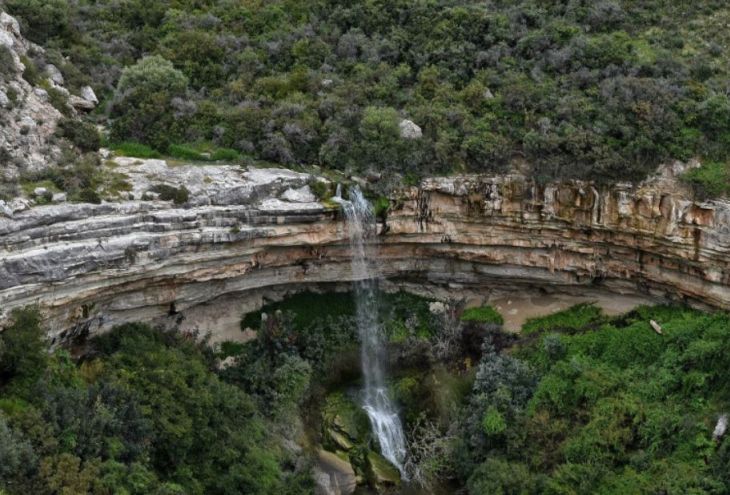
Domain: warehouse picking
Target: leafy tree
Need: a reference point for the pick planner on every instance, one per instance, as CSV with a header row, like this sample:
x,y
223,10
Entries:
x,y
142,109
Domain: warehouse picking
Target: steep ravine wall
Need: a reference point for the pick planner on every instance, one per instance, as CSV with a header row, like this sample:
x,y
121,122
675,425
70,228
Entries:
x,y
90,267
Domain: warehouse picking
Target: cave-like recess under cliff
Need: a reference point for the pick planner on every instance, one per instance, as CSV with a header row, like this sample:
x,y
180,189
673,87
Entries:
x,y
250,234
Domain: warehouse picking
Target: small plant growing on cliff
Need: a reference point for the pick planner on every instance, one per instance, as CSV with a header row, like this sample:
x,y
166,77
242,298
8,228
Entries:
x,y
82,134
7,64
320,189
711,180
178,195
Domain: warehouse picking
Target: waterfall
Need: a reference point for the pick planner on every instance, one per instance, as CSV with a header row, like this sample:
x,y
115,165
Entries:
x,y
376,401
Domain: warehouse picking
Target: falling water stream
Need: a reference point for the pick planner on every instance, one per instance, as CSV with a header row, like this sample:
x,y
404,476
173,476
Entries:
x,y
376,401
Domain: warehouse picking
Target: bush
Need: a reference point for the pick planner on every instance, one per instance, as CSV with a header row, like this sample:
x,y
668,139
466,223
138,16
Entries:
x,y
711,180
178,195
31,73
7,62
24,348
321,190
41,19
143,110
82,134
88,196
59,101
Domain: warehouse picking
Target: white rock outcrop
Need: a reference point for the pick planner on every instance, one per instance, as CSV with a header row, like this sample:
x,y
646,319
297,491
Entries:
x,y
409,130
27,120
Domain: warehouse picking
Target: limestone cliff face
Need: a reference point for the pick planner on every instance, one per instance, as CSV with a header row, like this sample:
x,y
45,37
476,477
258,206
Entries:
x,y
646,239
28,120
255,232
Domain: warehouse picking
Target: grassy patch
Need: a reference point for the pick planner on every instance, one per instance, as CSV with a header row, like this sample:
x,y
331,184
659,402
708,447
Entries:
x,y
711,180
571,319
306,306
136,150
29,187
203,152
184,152
482,314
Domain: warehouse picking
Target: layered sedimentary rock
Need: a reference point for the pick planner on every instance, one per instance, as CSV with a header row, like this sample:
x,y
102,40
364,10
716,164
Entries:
x,y
246,234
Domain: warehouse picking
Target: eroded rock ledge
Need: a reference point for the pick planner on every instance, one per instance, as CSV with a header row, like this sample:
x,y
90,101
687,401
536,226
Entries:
x,y
246,233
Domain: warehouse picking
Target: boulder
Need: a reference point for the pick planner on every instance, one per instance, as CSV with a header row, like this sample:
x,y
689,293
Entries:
x,y
333,475
4,100
40,191
5,209
59,197
80,103
87,93
409,130
19,204
301,195
41,93
54,74
382,473
9,24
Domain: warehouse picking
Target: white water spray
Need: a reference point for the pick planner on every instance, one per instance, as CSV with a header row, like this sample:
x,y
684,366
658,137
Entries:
x,y
379,407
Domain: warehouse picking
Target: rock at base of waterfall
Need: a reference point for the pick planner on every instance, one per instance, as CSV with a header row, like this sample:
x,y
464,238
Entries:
x,y
381,472
409,130
339,440
333,475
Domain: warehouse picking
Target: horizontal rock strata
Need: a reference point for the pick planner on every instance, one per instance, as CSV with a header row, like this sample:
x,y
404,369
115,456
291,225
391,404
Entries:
x,y
90,267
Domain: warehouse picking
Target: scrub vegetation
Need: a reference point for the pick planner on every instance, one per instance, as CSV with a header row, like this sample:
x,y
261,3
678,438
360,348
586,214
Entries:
x,y
577,403
604,90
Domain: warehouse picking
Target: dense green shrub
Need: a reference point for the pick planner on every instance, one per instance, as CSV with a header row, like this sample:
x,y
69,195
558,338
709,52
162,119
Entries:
x,y
143,413
7,62
59,101
88,195
711,180
83,135
143,110
178,195
31,73
603,90
42,19
614,408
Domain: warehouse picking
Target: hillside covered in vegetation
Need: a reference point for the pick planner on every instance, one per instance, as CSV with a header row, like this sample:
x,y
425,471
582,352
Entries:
x,y
578,403
573,88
